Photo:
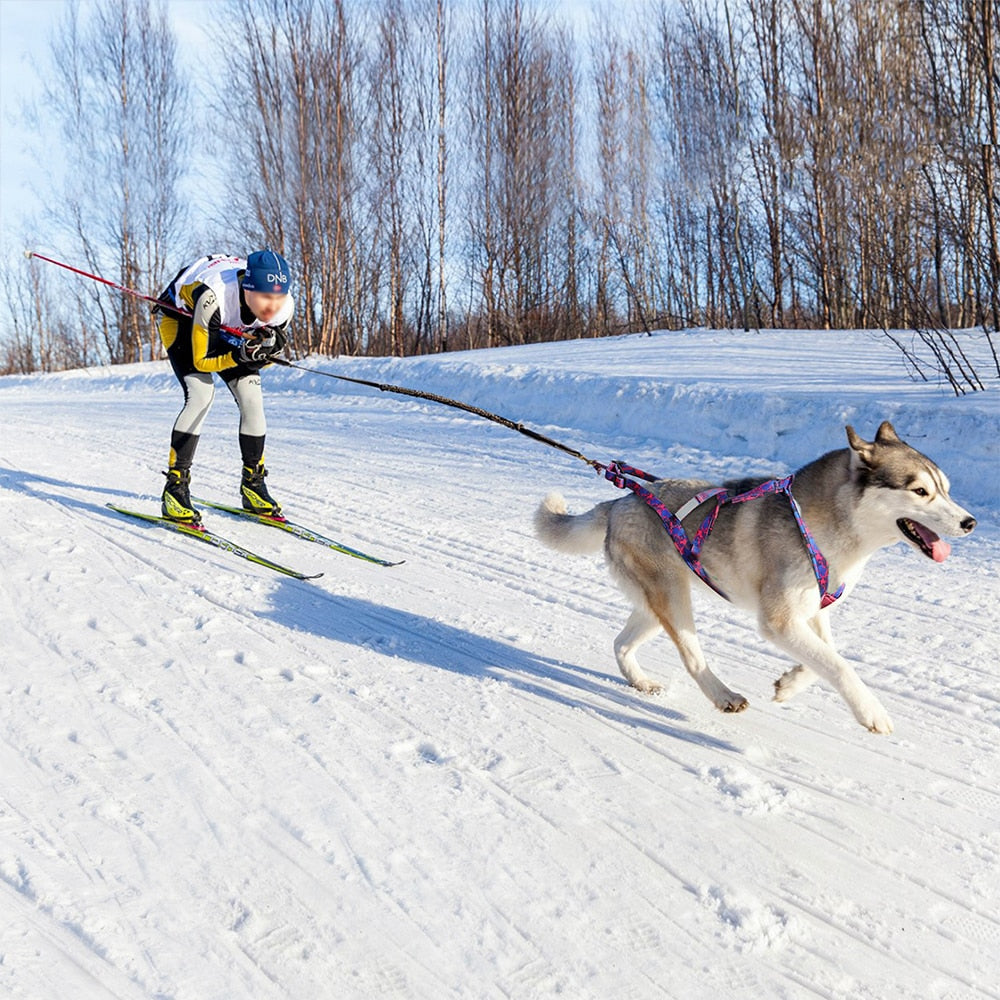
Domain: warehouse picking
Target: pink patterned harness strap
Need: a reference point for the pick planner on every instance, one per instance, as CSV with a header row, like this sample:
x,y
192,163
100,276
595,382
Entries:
x,y
689,549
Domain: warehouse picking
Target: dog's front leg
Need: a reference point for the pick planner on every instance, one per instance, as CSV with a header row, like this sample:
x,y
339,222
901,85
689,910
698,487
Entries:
x,y
791,682
798,639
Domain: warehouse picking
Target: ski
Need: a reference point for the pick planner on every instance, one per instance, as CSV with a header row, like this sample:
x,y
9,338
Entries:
x,y
298,530
202,534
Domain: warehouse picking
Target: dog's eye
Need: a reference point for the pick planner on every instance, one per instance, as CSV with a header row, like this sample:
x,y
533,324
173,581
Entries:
x,y
921,492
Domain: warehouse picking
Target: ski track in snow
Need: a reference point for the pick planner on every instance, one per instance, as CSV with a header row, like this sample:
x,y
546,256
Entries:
x,y
430,781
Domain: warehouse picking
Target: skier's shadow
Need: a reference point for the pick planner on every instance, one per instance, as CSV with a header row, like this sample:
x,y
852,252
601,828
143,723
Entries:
x,y
417,639
40,487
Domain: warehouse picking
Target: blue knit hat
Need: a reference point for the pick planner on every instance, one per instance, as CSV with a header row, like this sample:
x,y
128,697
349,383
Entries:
x,y
266,271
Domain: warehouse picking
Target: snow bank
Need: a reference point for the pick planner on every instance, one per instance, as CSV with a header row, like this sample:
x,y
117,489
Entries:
x,y
781,397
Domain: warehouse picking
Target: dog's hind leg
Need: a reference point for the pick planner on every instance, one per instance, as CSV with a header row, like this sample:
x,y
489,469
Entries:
x,y
673,609
791,682
641,626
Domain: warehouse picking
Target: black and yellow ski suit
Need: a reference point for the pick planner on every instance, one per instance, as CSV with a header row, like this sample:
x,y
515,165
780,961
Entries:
x,y
198,348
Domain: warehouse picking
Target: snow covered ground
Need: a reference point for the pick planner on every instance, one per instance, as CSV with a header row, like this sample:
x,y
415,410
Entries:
x,y
430,781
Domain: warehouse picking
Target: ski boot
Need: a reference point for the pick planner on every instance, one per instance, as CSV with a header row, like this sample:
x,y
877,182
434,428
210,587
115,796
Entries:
x,y
253,490
176,499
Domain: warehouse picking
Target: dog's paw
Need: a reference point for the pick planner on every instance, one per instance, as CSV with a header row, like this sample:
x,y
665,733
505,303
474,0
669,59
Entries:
x,y
880,724
792,682
874,718
732,703
646,686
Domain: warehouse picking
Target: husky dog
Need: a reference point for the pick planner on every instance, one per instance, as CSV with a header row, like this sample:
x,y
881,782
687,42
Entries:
x,y
854,501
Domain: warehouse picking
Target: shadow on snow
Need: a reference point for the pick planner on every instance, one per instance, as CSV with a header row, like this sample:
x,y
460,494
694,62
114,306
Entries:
x,y
395,633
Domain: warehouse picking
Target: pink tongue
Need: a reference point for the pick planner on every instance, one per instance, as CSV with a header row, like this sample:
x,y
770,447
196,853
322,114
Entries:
x,y
940,550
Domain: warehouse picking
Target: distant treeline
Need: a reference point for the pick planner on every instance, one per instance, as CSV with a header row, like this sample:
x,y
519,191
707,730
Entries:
x,y
447,174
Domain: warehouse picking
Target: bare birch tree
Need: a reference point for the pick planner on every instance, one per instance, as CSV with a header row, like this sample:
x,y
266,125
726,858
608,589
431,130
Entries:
x,y
118,98
294,152
441,50
519,136
43,336
389,141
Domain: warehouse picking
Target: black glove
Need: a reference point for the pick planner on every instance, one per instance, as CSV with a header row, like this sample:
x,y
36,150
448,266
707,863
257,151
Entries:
x,y
258,349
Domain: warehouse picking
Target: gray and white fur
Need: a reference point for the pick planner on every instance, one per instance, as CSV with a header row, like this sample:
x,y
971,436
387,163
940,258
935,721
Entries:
x,y
854,501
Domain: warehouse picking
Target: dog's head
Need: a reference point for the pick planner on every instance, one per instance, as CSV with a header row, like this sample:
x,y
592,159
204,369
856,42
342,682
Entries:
x,y
906,488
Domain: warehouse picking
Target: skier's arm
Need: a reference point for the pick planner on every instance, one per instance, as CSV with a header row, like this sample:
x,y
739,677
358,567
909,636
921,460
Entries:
x,y
205,331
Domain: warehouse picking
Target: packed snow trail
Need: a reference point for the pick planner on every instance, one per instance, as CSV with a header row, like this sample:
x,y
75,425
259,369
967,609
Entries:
x,y
430,781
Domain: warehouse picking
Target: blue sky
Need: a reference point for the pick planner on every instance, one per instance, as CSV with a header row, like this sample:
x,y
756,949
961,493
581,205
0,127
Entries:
x,y
26,28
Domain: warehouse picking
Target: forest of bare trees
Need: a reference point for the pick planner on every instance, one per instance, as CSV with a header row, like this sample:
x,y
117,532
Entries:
x,y
447,174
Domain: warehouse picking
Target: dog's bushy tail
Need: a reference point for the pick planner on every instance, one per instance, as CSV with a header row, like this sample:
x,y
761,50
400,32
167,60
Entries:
x,y
572,533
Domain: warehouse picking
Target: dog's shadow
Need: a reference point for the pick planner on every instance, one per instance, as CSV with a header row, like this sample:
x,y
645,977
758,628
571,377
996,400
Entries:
x,y
418,639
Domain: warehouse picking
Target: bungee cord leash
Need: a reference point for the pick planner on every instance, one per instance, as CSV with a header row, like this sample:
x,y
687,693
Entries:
x,y
444,400
689,549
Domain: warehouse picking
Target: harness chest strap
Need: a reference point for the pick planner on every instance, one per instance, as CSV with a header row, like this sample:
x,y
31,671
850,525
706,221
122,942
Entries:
x,y
689,549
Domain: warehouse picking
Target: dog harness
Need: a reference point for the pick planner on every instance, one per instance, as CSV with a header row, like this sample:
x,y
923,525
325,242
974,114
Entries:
x,y
689,549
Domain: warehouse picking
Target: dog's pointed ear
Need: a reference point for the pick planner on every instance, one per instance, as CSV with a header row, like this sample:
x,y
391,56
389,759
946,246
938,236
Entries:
x,y
887,434
862,452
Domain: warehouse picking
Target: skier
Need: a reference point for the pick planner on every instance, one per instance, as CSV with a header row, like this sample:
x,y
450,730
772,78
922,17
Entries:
x,y
223,291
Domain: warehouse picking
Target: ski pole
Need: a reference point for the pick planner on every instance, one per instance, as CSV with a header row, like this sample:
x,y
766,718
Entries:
x,y
31,254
